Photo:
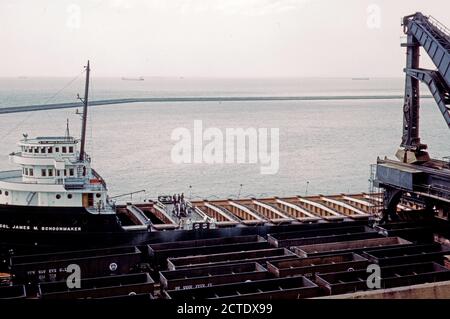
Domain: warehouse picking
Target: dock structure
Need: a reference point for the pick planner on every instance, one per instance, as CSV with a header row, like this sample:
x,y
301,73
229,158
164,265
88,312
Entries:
x,y
176,99
414,178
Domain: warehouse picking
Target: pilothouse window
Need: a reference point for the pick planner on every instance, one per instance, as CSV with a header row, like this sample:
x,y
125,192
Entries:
x,y
50,172
64,149
43,172
70,149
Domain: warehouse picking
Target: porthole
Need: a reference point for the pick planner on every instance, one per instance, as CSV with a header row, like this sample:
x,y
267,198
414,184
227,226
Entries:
x,y
69,196
58,196
6,193
98,195
0,191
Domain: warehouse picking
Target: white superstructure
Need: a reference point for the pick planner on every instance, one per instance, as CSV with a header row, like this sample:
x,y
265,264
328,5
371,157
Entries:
x,y
52,173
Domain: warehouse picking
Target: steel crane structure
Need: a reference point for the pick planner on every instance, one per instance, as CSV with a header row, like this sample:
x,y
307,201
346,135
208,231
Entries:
x,y
415,174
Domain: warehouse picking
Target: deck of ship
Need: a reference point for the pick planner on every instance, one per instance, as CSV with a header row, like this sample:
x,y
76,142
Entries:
x,y
247,212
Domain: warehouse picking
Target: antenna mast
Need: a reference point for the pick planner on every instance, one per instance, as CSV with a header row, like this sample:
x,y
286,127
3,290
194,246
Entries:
x,y
67,130
84,114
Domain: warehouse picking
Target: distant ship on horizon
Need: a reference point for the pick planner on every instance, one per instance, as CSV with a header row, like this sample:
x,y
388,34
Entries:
x,y
141,78
361,79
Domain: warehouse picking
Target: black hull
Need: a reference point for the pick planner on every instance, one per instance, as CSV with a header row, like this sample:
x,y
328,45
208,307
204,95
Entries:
x,y
32,229
34,242
55,219
99,231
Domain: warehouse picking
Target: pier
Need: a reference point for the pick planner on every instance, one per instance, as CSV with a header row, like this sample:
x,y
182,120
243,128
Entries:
x,y
43,107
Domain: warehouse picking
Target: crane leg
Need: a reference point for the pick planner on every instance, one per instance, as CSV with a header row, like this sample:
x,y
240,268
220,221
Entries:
x,y
391,198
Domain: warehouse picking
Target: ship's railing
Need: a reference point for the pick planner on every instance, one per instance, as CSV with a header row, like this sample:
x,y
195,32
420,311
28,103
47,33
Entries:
x,y
78,183
57,156
10,174
90,187
439,25
98,177
440,191
74,183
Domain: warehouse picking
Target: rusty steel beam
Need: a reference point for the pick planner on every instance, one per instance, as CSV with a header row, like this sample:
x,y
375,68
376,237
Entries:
x,y
408,254
281,288
348,246
260,256
99,287
319,209
311,265
212,275
92,263
159,253
391,276
244,209
327,239
344,208
295,211
358,202
265,209
413,231
296,238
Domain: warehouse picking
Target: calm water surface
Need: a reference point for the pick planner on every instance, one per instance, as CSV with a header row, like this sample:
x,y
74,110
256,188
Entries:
x,y
329,144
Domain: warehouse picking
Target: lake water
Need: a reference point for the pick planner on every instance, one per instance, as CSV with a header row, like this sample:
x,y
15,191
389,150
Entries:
x,y
328,145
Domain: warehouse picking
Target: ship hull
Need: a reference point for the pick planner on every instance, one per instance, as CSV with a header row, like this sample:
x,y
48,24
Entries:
x,y
33,226
55,219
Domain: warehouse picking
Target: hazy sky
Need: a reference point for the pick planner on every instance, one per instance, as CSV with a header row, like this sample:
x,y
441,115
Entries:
x,y
209,38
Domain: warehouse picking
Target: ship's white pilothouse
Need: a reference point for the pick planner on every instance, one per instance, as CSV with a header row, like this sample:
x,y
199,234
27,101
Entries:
x,y
55,183
52,173
56,190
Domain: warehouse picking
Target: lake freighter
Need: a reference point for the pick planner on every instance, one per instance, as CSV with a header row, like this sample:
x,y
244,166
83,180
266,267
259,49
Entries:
x,y
55,189
55,213
56,199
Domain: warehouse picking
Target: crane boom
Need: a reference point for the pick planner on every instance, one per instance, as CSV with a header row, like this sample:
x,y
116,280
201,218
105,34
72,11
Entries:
x,y
434,38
